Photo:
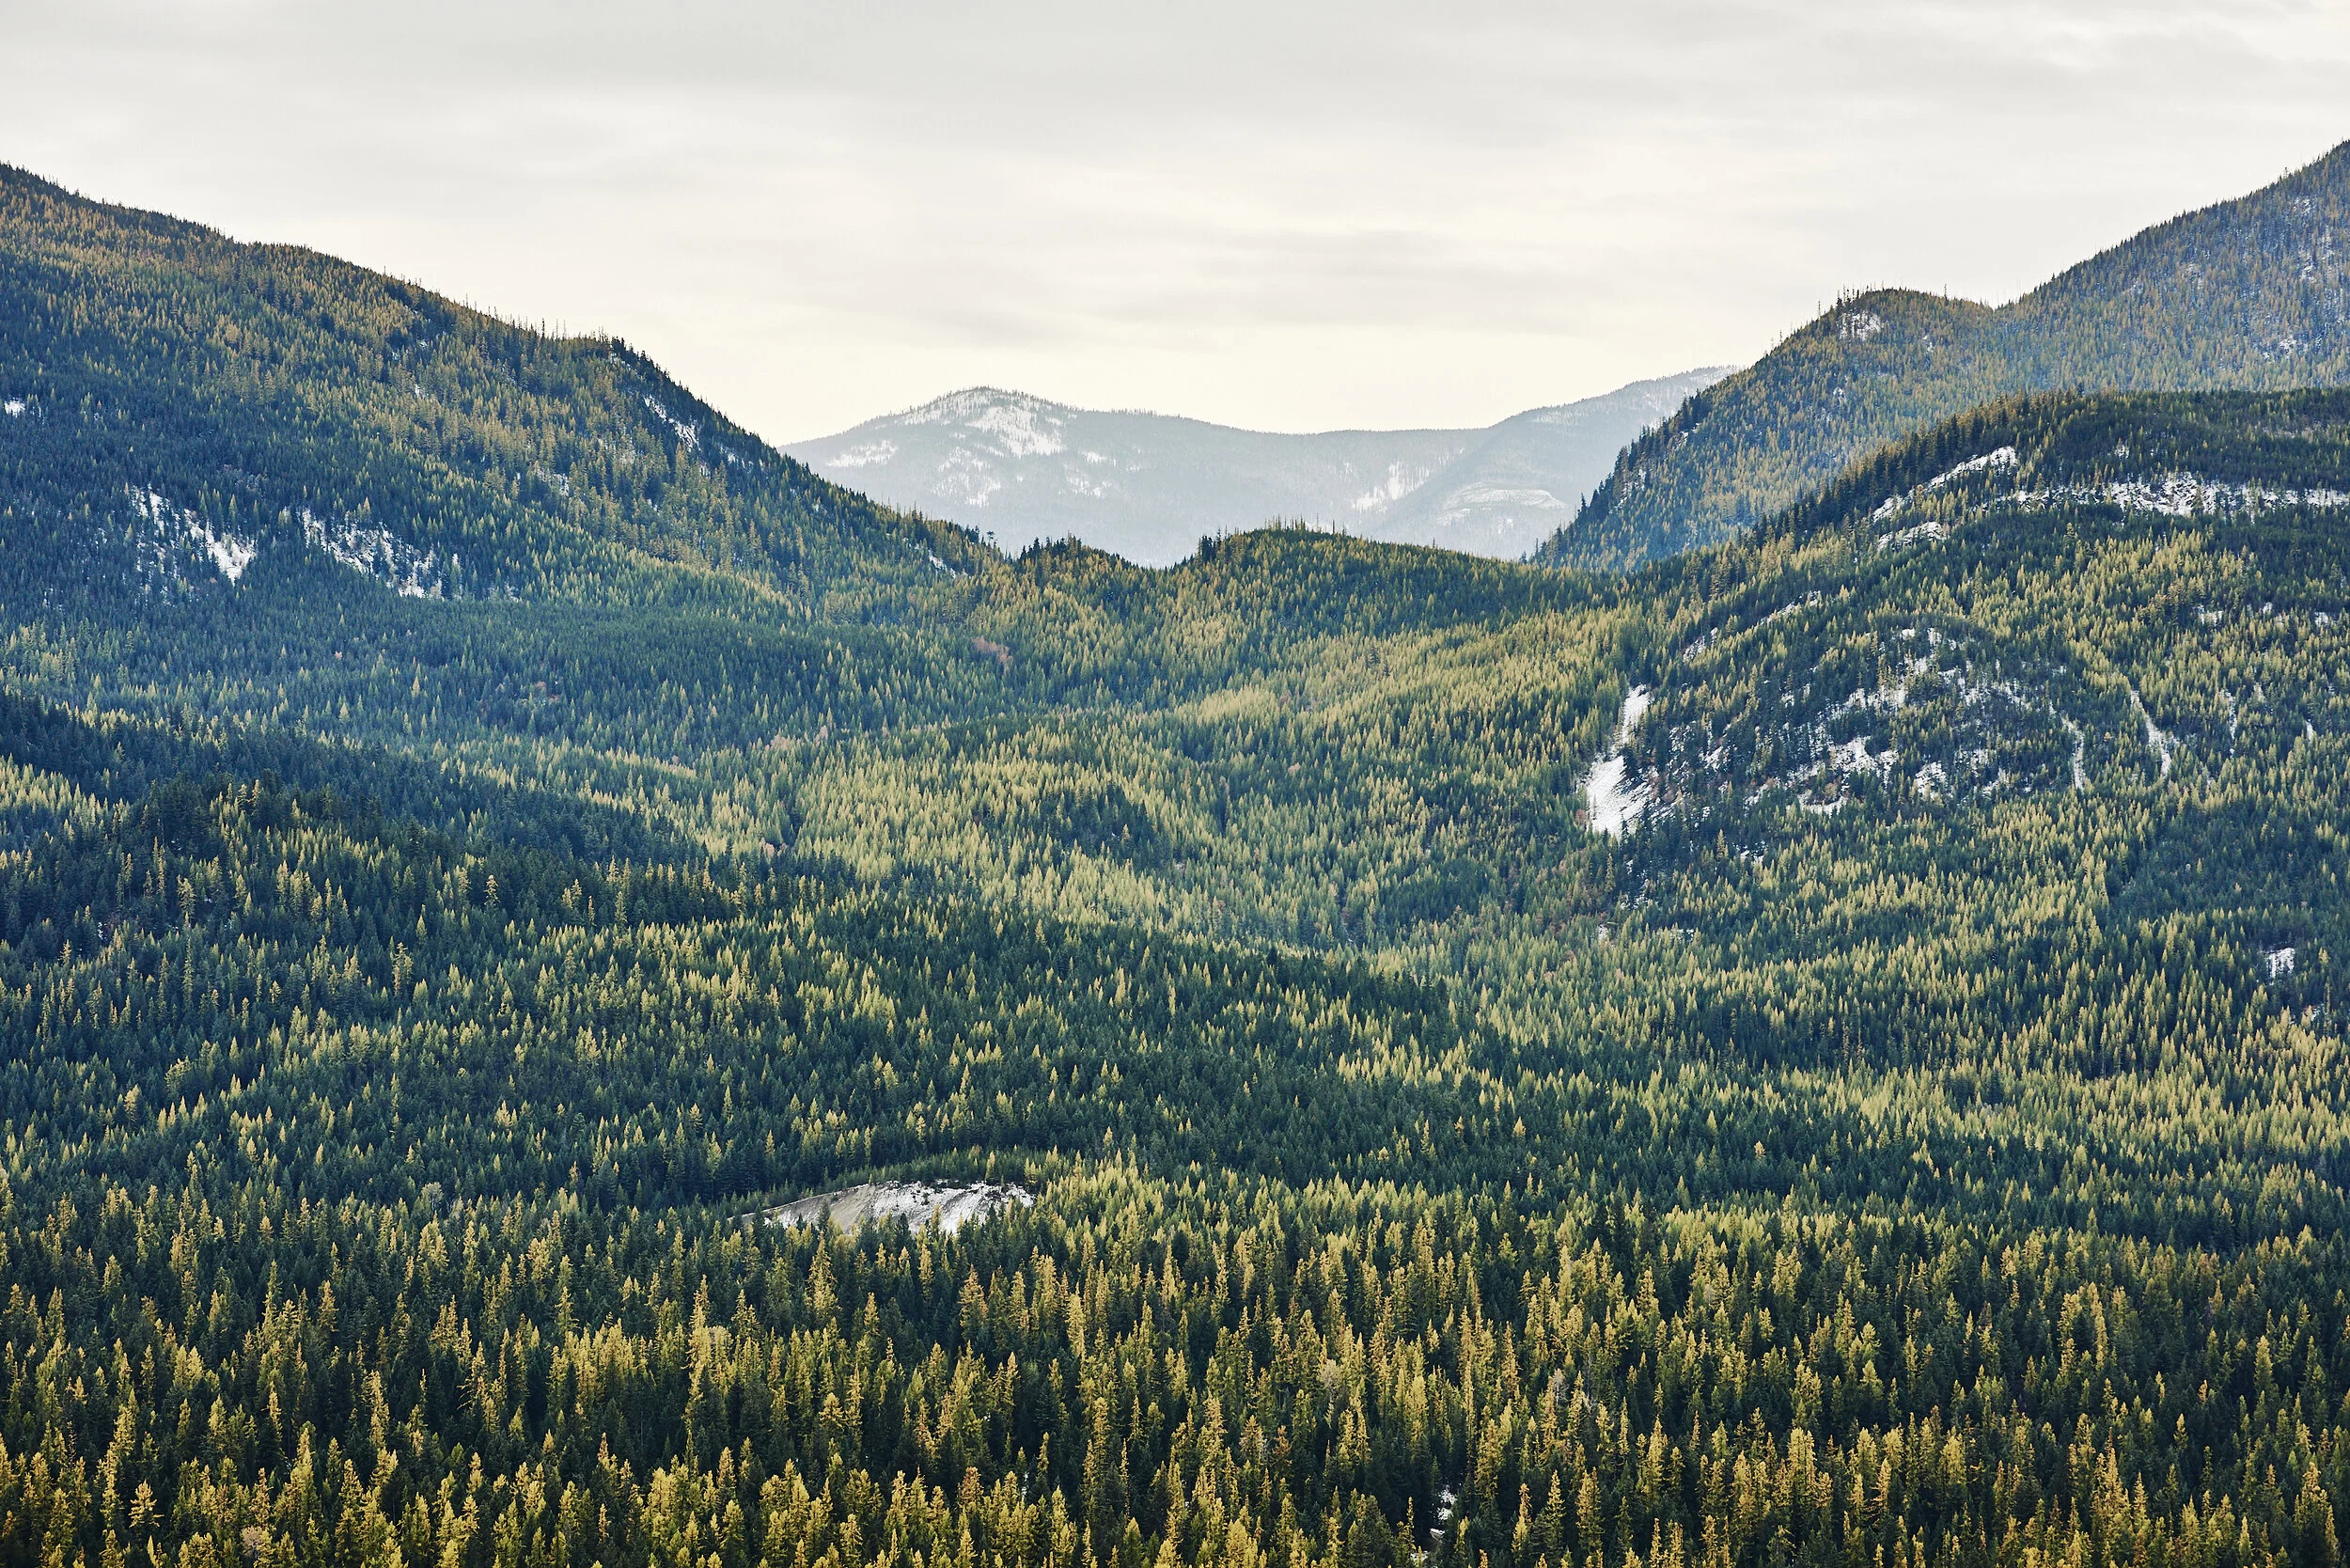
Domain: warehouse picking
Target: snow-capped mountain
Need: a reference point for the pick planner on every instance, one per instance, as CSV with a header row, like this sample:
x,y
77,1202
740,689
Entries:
x,y
1149,486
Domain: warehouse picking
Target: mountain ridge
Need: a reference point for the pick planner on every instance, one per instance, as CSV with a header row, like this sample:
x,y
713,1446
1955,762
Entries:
x,y
2246,293
448,450
1149,486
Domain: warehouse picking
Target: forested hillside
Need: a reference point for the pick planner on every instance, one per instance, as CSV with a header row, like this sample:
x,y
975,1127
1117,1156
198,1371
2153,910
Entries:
x,y
2252,294
1826,1049
181,409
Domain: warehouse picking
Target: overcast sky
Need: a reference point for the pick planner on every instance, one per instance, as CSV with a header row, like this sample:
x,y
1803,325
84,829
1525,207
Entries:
x,y
1285,216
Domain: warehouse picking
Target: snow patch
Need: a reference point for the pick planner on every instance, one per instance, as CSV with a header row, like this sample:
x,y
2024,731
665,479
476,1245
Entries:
x,y
378,553
1022,425
2159,742
13,408
1616,809
1852,757
2003,458
1020,430
1025,426
966,477
1859,326
1503,495
866,456
1928,529
230,553
1399,483
2183,496
916,1202
688,436
2280,962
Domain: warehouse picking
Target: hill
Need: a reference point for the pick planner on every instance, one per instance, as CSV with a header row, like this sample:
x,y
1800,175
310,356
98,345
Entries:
x,y
1149,487
180,410
2246,294
1826,1048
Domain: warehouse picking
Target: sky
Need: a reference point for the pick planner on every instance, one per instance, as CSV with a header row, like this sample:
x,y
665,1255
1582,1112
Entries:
x,y
1284,216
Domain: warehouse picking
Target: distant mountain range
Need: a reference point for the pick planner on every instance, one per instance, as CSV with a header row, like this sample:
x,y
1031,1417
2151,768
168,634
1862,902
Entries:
x,y
1149,486
2250,294
179,408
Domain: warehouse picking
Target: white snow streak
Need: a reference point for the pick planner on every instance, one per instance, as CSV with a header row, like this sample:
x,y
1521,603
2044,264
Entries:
x,y
378,553
687,435
1928,529
2159,742
1399,483
231,553
2183,496
1616,809
966,477
2004,457
1022,433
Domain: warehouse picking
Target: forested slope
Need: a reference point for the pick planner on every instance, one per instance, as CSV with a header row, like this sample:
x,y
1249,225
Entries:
x,y
2248,295
182,409
1915,1139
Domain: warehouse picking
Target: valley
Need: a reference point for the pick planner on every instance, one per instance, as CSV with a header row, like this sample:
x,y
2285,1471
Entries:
x,y
1822,1047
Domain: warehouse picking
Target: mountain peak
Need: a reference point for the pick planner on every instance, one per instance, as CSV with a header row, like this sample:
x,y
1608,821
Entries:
x,y
1018,424
2241,295
1149,486
972,402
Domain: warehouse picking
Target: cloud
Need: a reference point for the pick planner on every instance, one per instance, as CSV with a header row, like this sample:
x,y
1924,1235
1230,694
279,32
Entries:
x,y
1287,216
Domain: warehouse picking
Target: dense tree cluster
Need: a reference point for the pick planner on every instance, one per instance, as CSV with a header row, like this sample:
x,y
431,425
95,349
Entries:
x,y
367,1188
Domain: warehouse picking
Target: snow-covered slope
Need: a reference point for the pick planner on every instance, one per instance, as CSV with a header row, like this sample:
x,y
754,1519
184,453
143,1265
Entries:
x,y
1524,477
1149,486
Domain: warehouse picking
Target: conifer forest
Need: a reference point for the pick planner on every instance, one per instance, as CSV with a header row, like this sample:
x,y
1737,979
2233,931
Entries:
x,y
1821,1048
